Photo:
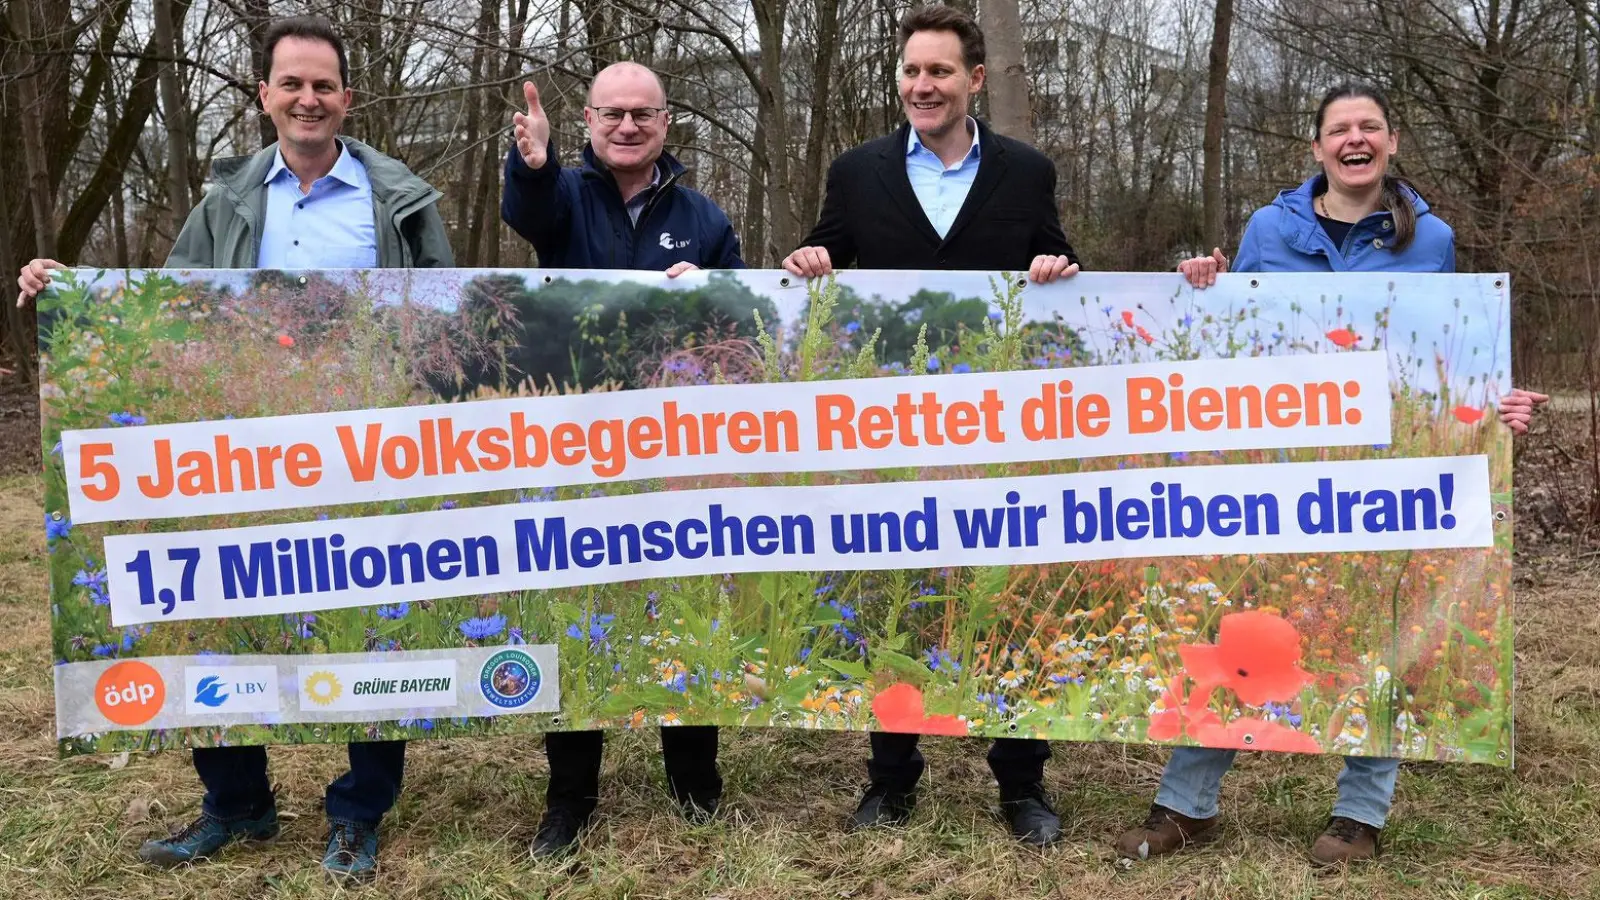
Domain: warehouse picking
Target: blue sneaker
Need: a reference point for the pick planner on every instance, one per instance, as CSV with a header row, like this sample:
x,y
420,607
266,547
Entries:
x,y
208,834
352,853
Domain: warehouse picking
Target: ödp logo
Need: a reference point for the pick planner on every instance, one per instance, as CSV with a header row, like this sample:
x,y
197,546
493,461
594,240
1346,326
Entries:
x,y
130,693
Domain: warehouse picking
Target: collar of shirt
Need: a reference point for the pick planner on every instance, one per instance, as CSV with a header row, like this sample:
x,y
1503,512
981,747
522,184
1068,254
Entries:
x,y
643,196
345,169
915,147
635,204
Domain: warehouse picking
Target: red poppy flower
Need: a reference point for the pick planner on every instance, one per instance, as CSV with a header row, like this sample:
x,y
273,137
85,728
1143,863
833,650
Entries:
x,y
1177,716
1145,335
1257,656
899,709
1344,337
1257,734
1467,414
1127,317
285,341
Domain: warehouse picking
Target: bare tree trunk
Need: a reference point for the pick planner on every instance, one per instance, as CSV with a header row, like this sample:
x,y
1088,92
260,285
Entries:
x,y
1216,122
41,200
172,106
471,191
755,209
256,16
1009,113
822,103
112,161
772,114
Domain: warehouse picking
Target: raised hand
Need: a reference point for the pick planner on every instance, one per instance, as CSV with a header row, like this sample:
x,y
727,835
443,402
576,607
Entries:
x,y
532,129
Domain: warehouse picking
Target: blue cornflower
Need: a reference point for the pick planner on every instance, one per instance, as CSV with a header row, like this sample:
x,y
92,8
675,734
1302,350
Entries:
x,y
651,605
933,364
940,659
852,328
1188,320
104,650
1059,678
679,683
129,638
93,580
322,517
56,450
448,504
397,611
483,628
424,724
56,526
961,368
594,630
997,700
822,590
1039,362
805,653
1106,310
514,636
995,315
126,418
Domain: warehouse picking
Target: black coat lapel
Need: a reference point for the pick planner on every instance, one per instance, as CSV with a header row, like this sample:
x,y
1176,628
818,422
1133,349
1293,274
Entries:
x,y
892,172
991,171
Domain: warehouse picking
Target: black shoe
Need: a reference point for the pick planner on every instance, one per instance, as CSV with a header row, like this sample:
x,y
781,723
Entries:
x,y
558,831
698,810
882,805
1032,820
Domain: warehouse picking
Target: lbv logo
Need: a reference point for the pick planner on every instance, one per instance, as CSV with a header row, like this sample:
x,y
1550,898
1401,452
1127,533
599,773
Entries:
x,y
209,692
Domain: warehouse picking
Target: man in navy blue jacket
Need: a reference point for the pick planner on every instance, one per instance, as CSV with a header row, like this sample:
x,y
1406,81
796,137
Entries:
x,y
623,209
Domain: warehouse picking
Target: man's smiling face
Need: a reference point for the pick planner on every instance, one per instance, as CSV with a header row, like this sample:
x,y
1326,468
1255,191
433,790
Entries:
x,y
305,98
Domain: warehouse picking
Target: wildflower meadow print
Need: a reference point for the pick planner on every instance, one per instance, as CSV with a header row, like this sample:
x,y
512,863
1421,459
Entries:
x,y
1288,564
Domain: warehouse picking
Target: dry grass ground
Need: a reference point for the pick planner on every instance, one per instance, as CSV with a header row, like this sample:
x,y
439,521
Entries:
x,y
69,828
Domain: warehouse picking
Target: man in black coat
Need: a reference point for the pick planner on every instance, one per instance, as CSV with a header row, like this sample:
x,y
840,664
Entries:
x,y
943,192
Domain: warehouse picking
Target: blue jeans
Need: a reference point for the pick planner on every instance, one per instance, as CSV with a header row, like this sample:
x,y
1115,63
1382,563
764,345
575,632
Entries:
x,y
1193,778
236,781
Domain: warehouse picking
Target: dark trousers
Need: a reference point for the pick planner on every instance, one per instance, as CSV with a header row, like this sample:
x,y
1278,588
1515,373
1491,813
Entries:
x,y
236,781
1017,763
689,752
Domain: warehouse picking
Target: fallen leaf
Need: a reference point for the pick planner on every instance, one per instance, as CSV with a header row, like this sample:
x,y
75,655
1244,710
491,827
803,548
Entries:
x,y
138,811
117,762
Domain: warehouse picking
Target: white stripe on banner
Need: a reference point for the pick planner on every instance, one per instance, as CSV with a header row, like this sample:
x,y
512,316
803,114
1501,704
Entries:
x,y
1384,504
162,692
324,459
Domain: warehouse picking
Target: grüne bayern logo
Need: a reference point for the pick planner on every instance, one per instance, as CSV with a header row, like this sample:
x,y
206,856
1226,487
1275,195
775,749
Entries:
x,y
510,679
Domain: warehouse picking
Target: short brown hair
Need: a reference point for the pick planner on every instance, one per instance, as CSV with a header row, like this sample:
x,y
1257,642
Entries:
x,y
946,18
311,28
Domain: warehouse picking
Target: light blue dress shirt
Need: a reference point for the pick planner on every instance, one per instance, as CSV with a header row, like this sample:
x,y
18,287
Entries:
x,y
331,227
939,189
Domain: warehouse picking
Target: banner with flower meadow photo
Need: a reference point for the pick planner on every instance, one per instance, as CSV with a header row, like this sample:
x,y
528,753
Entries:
x,y
352,505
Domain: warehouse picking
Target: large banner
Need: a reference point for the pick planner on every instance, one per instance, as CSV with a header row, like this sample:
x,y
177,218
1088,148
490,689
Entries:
x,y
342,505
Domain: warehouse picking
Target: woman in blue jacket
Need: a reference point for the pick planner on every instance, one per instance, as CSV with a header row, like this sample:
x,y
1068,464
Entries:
x,y
1354,217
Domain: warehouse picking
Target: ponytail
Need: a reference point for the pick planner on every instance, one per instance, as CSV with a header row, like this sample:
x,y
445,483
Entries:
x,y
1396,198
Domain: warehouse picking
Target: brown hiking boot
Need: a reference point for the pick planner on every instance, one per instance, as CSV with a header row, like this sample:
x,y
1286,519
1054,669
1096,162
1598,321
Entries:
x,y
1344,841
1164,831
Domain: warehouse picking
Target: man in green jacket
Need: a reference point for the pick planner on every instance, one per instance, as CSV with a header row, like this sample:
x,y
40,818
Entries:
x,y
314,200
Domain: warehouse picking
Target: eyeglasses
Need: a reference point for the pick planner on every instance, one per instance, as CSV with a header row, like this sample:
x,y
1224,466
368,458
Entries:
x,y
612,116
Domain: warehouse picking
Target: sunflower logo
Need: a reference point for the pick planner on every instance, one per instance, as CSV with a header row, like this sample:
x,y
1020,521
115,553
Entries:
x,y
323,688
